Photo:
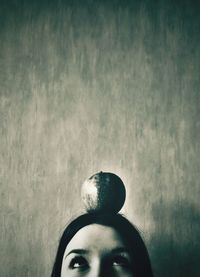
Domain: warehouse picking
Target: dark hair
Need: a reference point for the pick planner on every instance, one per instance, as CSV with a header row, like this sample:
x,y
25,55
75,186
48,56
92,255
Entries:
x,y
141,266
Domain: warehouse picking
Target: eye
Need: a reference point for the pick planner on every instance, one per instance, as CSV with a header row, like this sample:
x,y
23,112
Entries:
x,y
120,261
78,262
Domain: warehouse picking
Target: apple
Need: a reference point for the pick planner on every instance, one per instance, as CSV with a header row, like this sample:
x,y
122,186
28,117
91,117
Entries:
x,y
103,192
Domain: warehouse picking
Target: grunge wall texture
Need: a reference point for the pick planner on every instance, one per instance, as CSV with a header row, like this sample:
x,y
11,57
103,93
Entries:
x,y
99,85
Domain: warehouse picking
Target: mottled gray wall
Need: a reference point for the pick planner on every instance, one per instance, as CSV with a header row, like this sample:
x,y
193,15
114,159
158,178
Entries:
x,y
99,85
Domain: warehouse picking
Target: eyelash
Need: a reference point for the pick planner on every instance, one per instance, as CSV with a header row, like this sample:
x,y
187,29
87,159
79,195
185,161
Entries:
x,y
120,260
81,263
78,262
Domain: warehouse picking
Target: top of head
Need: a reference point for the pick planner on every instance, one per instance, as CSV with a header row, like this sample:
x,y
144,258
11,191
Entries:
x,y
103,192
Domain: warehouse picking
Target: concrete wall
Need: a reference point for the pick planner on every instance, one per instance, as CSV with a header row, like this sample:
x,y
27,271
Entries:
x,y
99,85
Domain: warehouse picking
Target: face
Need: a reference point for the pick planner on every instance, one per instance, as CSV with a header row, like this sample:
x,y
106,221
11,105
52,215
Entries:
x,y
96,251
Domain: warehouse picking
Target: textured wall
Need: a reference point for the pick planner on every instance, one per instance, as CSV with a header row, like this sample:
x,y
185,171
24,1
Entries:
x,y
99,85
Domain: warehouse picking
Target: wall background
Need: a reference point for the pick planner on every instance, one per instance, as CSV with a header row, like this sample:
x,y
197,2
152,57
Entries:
x,y
99,85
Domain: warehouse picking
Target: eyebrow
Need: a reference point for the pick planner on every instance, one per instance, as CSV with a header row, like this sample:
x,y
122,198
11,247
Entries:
x,y
77,251
116,250
120,250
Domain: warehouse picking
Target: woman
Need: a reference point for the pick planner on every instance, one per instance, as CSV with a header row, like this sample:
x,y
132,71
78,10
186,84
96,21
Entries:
x,y
101,245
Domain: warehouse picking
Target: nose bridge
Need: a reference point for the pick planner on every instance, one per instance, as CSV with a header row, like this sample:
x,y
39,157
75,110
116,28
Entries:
x,y
100,269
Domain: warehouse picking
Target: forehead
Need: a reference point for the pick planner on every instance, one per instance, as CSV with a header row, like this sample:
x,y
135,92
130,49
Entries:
x,y
95,237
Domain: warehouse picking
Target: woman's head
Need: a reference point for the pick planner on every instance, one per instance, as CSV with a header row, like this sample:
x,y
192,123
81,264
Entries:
x,y
101,245
96,250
